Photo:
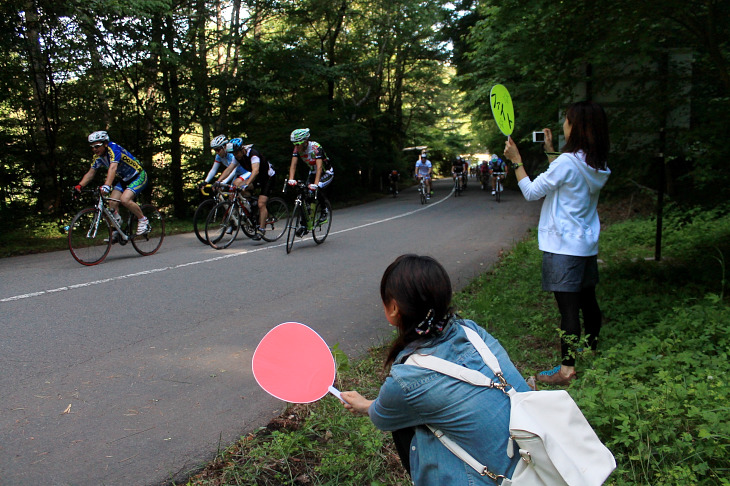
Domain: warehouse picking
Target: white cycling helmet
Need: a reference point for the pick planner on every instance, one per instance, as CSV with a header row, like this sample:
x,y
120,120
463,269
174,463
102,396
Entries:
x,y
218,142
100,136
300,135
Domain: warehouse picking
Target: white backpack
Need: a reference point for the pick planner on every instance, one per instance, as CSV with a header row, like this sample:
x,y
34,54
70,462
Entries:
x,y
555,441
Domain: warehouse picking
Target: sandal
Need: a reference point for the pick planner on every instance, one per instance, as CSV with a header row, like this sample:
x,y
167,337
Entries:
x,y
553,377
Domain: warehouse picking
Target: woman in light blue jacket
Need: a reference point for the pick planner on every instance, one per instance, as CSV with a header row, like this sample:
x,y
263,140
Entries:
x,y
569,227
416,294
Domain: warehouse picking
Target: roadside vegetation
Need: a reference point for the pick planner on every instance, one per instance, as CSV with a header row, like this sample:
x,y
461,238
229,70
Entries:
x,y
656,392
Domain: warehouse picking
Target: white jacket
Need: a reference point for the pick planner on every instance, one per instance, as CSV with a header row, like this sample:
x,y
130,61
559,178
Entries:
x,y
569,222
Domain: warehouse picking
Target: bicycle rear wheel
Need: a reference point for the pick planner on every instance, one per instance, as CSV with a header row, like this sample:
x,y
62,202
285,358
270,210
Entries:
x,y
294,223
150,242
222,225
322,220
200,217
89,237
277,219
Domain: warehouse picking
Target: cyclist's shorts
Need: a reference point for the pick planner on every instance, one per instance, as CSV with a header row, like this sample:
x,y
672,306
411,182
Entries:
x,y
324,180
424,177
136,185
266,184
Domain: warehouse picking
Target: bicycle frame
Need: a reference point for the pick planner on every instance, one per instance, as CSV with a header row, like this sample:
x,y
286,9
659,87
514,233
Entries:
x,y
302,190
101,206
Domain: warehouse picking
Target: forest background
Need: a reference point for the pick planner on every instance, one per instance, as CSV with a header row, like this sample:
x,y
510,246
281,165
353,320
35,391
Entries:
x,y
368,77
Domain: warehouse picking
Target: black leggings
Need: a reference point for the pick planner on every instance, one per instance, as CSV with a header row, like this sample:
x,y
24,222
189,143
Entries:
x,y
569,304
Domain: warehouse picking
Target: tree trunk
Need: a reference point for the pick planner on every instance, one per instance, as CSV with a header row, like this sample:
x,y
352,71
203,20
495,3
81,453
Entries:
x,y
171,88
43,133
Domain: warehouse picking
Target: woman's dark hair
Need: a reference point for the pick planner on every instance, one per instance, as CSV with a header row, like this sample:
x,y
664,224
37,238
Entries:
x,y
588,132
418,284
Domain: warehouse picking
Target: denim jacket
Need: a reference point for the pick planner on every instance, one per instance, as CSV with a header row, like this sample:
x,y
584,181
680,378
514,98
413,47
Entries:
x,y
476,418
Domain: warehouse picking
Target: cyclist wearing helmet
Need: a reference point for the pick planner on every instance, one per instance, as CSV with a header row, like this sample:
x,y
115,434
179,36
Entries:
x,y
457,170
394,178
423,169
321,172
258,172
222,157
130,177
496,165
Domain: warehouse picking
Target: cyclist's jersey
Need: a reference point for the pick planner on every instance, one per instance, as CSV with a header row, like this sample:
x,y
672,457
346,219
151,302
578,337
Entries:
x,y
394,177
423,168
225,162
127,169
484,168
497,165
252,156
458,166
313,152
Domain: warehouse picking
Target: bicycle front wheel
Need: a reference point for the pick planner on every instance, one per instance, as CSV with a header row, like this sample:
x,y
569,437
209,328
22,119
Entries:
x,y
277,219
89,237
222,225
150,242
200,217
322,220
294,222
498,185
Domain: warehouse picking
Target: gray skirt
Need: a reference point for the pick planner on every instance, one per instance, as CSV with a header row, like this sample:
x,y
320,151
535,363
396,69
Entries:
x,y
567,273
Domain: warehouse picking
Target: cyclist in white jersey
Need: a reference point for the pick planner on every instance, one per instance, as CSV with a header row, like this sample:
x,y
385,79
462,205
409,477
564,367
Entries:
x,y
311,153
224,158
424,169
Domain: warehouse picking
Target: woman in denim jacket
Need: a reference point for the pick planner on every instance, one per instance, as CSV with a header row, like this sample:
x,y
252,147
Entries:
x,y
416,293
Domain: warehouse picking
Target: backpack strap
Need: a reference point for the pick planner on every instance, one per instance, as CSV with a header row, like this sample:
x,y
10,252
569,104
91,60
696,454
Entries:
x,y
468,375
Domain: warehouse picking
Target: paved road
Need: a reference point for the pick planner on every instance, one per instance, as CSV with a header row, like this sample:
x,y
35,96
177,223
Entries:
x,y
138,370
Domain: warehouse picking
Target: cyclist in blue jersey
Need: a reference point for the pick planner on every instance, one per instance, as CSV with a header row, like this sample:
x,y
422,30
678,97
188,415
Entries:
x,y
424,170
124,171
223,158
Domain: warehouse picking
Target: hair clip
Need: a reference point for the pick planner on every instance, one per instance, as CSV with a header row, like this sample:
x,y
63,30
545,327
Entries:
x,y
429,326
424,327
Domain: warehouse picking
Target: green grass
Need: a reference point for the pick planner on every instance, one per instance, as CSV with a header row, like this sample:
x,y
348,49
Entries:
x,y
656,392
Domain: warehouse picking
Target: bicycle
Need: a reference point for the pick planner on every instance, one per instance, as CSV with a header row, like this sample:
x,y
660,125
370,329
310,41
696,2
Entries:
x,y
90,232
457,184
393,189
311,212
229,217
498,186
201,213
422,192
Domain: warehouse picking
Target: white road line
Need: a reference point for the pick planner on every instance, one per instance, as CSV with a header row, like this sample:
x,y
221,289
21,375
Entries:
x,y
207,260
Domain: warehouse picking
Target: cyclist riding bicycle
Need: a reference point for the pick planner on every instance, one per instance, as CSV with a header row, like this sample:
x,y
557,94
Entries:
x,y
484,173
457,169
424,170
123,170
222,158
257,172
496,165
321,172
394,179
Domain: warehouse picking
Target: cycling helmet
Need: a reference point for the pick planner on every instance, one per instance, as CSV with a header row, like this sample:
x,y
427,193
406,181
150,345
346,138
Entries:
x,y
100,136
218,142
234,144
300,135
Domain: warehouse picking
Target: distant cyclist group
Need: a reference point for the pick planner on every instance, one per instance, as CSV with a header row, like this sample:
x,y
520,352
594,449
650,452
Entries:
x,y
242,175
